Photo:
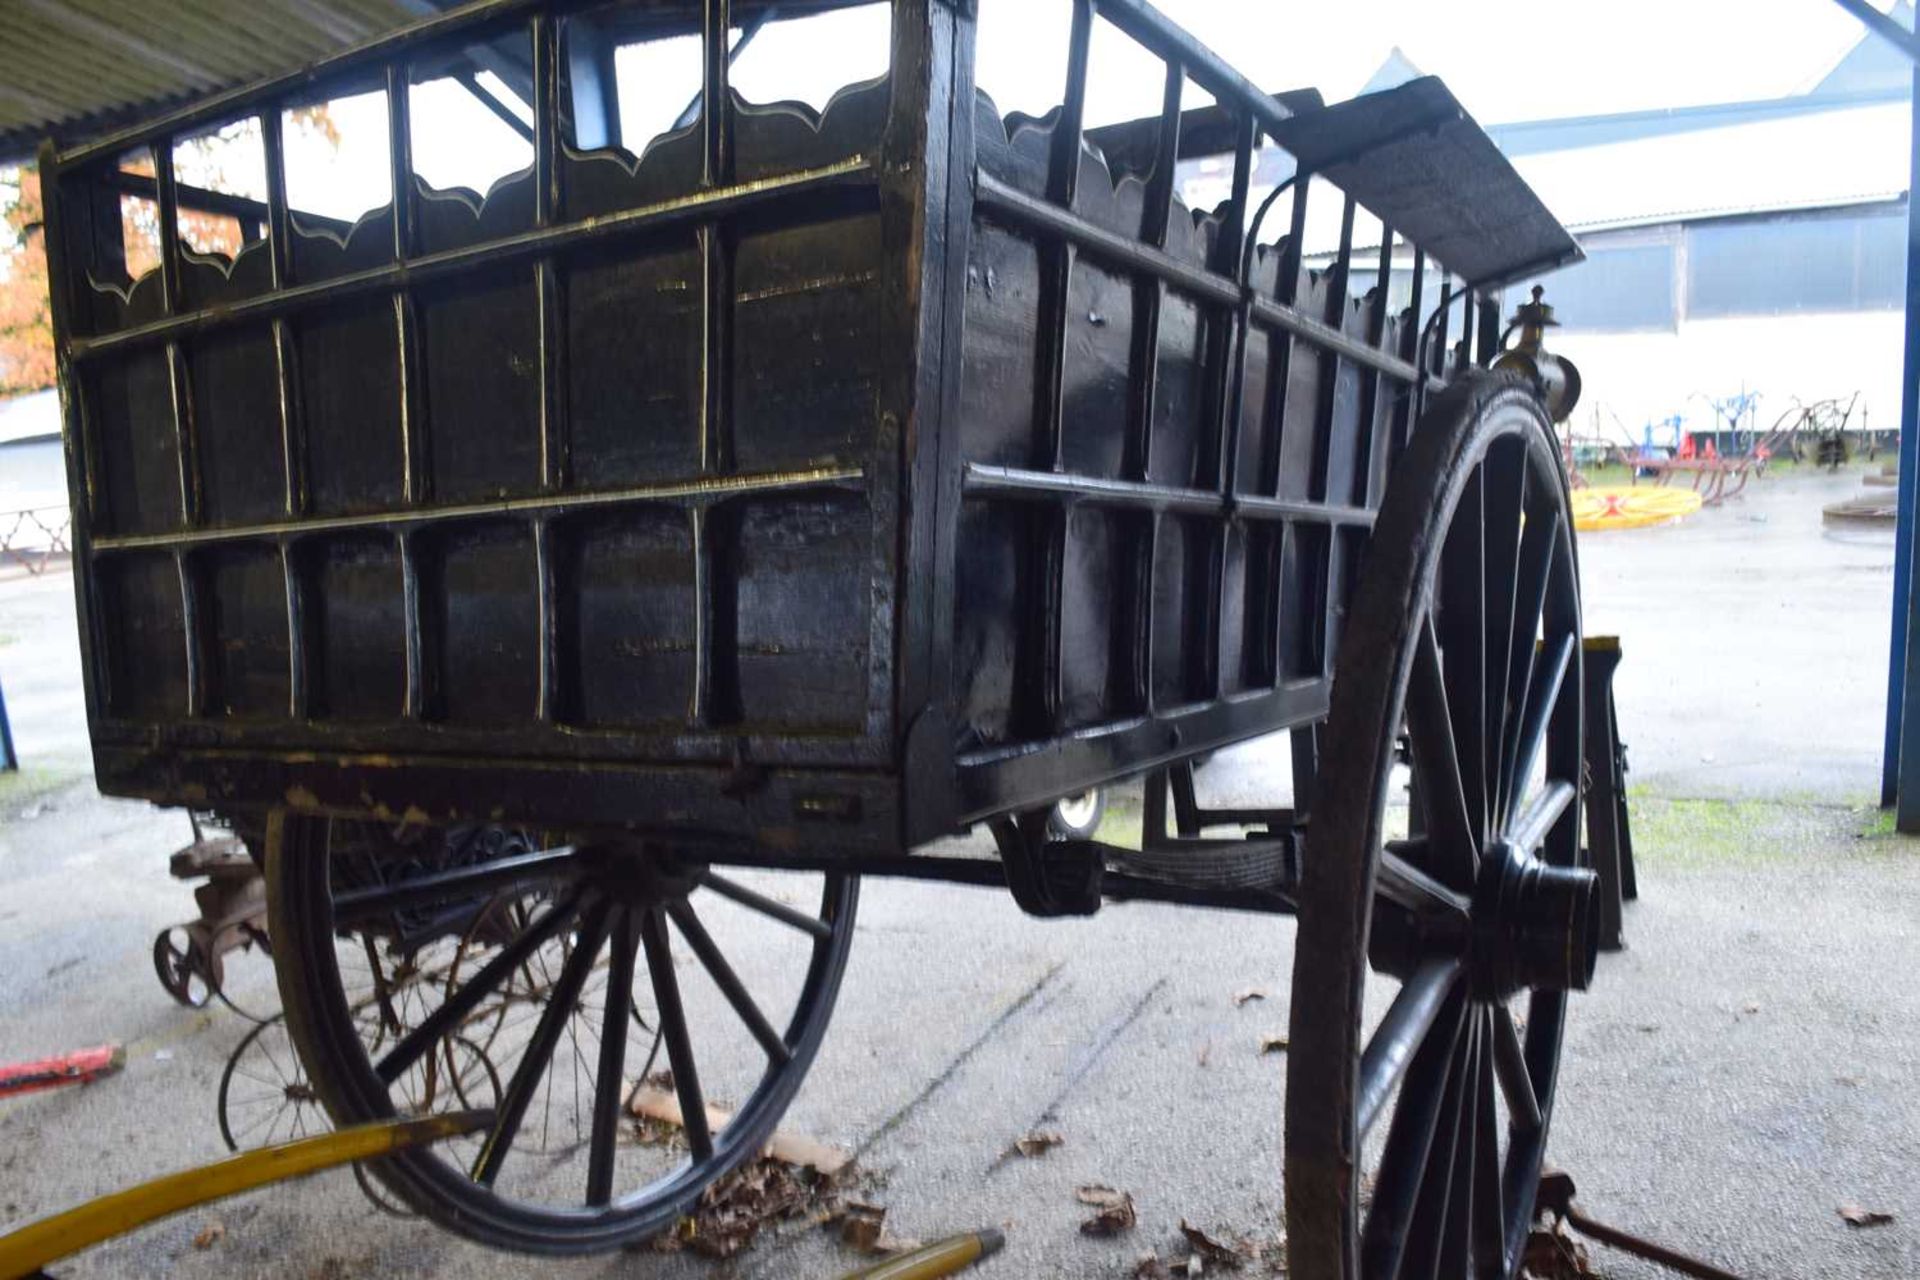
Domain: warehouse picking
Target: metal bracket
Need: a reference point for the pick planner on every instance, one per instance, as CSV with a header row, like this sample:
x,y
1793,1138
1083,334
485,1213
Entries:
x,y
1048,877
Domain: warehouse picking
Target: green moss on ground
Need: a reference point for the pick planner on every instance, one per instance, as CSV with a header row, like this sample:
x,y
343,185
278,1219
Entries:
x,y
21,788
1677,833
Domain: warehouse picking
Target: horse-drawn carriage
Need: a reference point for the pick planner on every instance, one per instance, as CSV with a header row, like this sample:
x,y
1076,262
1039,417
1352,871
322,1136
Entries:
x,y
625,563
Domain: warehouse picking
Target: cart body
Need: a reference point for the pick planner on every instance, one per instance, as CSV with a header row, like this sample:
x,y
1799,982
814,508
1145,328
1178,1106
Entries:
x,y
817,482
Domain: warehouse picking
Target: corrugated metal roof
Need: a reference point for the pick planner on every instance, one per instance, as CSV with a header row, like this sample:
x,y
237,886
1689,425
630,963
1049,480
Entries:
x,y
73,67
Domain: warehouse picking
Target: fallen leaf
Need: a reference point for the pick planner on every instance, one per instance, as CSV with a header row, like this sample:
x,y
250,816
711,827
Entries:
x,y
1858,1217
1116,1211
1750,1007
862,1224
1245,994
209,1235
1205,1247
1039,1142
1554,1255
1274,1044
732,1211
1151,1267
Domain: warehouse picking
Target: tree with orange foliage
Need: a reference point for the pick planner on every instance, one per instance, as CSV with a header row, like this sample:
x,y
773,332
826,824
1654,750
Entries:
x,y
229,161
26,322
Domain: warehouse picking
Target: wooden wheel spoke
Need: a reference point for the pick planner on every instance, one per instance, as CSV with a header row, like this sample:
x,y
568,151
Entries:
x,y
1506,503
458,1005
1419,1127
1460,626
1543,810
363,906
729,982
766,906
673,1024
1400,881
1452,1200
1436,762
534,1059
1403,1035
1542,696
1510,1065
609,1082
1489,1197
1532,579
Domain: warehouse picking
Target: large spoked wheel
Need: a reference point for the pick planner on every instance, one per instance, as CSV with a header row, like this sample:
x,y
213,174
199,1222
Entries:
x,y
1442,926
648,1018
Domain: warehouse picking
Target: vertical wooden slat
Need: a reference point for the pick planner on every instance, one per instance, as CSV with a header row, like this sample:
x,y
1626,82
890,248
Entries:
x,y
298,699
413,397
549,205
1149,299
406,323
186,444
716,363
1414,398
280,259
1286,289
190,613
1329,570
1227,371
1363,492
186,451
547,691
286,388
1044,676
410,621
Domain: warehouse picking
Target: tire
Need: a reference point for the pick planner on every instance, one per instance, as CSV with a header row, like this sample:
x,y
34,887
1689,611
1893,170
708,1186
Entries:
x,y
1078,817
1484,903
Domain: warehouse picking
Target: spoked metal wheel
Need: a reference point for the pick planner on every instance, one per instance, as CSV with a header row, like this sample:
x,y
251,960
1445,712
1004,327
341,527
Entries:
x,y
1437,942
648,1017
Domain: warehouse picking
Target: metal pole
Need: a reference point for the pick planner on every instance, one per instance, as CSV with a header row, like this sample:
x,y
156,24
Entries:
x,y
1900,775
9,762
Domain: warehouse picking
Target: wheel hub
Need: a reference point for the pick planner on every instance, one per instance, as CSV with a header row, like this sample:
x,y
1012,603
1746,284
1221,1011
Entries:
x,y
1535,925
639,874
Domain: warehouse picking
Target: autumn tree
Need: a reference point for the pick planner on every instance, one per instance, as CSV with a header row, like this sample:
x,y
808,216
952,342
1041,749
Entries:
x,y
231,161
26,325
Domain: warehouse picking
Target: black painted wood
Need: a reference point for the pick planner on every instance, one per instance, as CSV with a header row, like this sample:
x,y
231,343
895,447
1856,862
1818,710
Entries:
x,y
654,462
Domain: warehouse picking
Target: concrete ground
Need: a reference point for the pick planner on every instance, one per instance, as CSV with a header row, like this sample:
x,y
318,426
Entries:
x,y
1745,1069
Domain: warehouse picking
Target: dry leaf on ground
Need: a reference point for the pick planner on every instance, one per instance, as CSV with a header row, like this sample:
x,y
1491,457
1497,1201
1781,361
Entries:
x,y
1039,1142
1216,1254
1116,1211
864,1226
1858,1217
736,1208
1245,994
1554,1255
1274,1044
1150,1266
209,1235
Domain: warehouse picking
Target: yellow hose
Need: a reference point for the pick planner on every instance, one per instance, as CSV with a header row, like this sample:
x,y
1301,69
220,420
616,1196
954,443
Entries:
x,y
942,1258
25,1251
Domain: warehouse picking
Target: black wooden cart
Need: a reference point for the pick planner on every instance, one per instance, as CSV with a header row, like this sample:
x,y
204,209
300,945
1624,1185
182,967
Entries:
x,y
548,581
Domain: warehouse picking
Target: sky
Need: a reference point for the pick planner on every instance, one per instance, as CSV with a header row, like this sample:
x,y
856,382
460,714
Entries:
x,y
1505,62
